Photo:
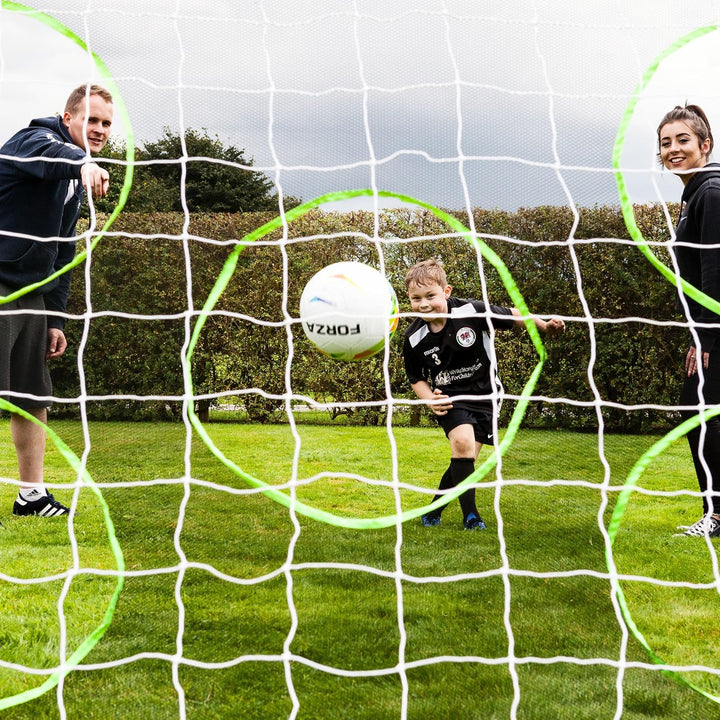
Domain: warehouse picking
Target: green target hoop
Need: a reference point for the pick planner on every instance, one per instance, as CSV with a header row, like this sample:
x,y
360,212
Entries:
x,y
658,448
76,657
120,108
308,510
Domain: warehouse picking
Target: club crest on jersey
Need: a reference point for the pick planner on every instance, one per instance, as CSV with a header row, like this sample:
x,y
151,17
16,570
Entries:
x,y
465,337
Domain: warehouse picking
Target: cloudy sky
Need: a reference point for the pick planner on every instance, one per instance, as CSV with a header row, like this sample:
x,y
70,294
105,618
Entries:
x,y
494,104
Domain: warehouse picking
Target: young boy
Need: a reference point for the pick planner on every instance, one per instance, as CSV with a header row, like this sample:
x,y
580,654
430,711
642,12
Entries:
x,y
447,355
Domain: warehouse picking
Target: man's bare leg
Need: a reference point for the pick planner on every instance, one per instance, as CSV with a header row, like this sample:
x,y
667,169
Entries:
x,y
29,440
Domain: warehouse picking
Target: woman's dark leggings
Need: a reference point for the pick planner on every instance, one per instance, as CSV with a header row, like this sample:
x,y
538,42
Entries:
x,y
705,444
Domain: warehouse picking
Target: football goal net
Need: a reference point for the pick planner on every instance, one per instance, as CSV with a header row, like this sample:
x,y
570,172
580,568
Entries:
x,y
245,535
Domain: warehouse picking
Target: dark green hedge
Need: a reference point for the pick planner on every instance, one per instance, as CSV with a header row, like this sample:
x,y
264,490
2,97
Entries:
x,y
150,276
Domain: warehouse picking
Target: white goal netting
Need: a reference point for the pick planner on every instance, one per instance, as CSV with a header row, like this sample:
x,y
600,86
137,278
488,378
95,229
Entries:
x,y
277,568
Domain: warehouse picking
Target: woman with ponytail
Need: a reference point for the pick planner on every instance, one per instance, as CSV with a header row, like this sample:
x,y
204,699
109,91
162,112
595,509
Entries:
x,y
685,142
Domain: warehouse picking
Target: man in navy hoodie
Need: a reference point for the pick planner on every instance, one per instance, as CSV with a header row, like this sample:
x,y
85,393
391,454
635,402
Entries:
x,y
45,169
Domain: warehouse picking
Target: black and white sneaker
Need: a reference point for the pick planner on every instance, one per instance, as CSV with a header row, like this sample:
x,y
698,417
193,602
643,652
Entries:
x,y
45,505
708,525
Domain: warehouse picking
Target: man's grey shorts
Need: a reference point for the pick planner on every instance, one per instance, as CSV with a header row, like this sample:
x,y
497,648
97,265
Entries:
x,y
23,345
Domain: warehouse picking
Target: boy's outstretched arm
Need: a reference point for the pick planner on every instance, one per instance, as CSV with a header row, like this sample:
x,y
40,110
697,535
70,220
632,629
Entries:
x,y
437,400
551,327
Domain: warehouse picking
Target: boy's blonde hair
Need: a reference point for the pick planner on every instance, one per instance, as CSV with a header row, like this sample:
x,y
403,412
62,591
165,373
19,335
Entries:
x,y
426,272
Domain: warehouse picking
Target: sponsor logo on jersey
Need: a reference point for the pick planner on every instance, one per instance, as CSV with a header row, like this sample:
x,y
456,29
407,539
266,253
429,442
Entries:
x,y
465,337
442,379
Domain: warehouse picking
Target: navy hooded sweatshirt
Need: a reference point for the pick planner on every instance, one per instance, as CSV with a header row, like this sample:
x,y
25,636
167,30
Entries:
x,y
699,226
40,195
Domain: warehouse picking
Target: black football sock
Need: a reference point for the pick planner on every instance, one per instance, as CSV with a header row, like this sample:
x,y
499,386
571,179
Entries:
x,y
445,484
461,468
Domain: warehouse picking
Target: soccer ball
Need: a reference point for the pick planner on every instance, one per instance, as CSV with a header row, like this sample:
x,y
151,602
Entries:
x,y
347,310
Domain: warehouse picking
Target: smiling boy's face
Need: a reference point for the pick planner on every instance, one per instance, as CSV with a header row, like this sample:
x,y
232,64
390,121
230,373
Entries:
x,y
429,299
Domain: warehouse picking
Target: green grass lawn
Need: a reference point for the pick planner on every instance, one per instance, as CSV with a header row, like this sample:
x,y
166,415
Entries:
x,y
234,606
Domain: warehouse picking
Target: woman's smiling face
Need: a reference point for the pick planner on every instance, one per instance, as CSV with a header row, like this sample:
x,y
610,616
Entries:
x,y
680,148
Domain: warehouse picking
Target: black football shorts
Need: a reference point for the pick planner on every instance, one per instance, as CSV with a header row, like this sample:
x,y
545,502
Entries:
x,y
481,420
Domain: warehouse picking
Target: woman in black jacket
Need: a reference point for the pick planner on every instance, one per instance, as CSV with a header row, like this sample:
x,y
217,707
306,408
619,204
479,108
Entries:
x,y
685,142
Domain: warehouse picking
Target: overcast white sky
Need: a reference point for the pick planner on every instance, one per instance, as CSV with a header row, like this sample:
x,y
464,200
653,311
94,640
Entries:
x,y
503,103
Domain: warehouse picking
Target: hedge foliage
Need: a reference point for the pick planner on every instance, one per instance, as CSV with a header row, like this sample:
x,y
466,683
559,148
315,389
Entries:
x,y
149,277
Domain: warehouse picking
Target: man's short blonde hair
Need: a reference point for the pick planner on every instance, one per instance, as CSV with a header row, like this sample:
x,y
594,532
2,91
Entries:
x,y
426,272
80,93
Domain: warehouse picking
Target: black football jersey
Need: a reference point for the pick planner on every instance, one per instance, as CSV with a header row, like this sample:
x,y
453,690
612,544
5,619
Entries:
x,y
456,360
